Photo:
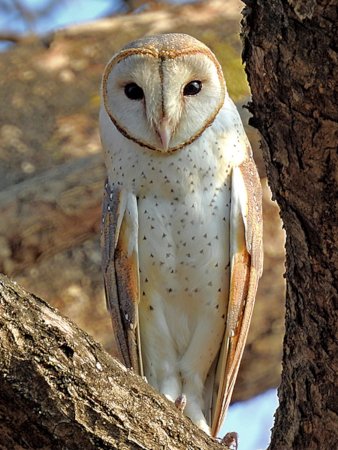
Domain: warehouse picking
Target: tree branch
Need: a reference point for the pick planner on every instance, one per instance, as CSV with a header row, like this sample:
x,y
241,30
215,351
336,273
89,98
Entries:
x,y
59,389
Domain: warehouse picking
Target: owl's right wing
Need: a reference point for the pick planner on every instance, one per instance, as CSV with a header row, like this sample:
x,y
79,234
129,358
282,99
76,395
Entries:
x,y
119,243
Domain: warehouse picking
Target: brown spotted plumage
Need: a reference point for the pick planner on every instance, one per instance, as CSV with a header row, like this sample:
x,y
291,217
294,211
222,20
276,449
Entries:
x,y
182,222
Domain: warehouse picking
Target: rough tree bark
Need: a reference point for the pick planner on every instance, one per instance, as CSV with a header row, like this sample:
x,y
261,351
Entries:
x,y
61,390
290,50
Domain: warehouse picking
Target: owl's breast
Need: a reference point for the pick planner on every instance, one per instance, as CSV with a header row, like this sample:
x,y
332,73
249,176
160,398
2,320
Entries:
x,y
184,244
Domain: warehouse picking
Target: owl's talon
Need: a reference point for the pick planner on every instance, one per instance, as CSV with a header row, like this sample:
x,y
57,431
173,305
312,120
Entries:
x,y
230,440
181,402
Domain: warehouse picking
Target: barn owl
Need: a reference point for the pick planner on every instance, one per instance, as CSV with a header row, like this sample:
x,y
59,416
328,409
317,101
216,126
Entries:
x,y
182,222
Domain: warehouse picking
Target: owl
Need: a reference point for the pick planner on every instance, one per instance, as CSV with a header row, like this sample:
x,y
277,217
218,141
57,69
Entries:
x,y
182,222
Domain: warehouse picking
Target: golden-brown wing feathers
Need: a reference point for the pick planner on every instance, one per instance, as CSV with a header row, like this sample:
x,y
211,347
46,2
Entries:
x,y
246,269
121,273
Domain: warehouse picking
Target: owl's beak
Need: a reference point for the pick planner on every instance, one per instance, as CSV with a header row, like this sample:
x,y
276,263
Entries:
x,y
164,130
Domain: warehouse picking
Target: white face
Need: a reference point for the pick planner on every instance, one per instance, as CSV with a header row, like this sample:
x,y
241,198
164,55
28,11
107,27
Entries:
x,y
163,103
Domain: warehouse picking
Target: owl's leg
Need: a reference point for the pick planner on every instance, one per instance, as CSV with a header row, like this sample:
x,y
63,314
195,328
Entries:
x,y
170,385
194,407
158,351
195,365
168,382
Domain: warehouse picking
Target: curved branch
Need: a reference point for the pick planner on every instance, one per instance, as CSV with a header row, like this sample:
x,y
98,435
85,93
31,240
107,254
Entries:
x,y
59,389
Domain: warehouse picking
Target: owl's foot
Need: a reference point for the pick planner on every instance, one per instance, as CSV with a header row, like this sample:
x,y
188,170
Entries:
x,y
196,416
181,402
230,440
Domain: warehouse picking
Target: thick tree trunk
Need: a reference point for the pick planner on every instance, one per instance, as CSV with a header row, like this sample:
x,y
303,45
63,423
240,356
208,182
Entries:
x,y
59,389
292,64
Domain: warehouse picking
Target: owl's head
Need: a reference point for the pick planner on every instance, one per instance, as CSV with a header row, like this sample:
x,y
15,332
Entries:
x,y
163,91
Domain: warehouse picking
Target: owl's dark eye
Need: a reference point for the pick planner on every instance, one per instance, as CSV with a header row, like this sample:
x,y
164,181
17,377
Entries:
x,y
133,91
192,88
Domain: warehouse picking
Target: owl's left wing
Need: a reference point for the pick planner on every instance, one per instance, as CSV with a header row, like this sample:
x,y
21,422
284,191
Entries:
x,y
119,240
246,259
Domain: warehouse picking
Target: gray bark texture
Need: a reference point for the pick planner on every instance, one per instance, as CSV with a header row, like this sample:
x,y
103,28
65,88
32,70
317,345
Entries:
x,y
290,51
61,390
